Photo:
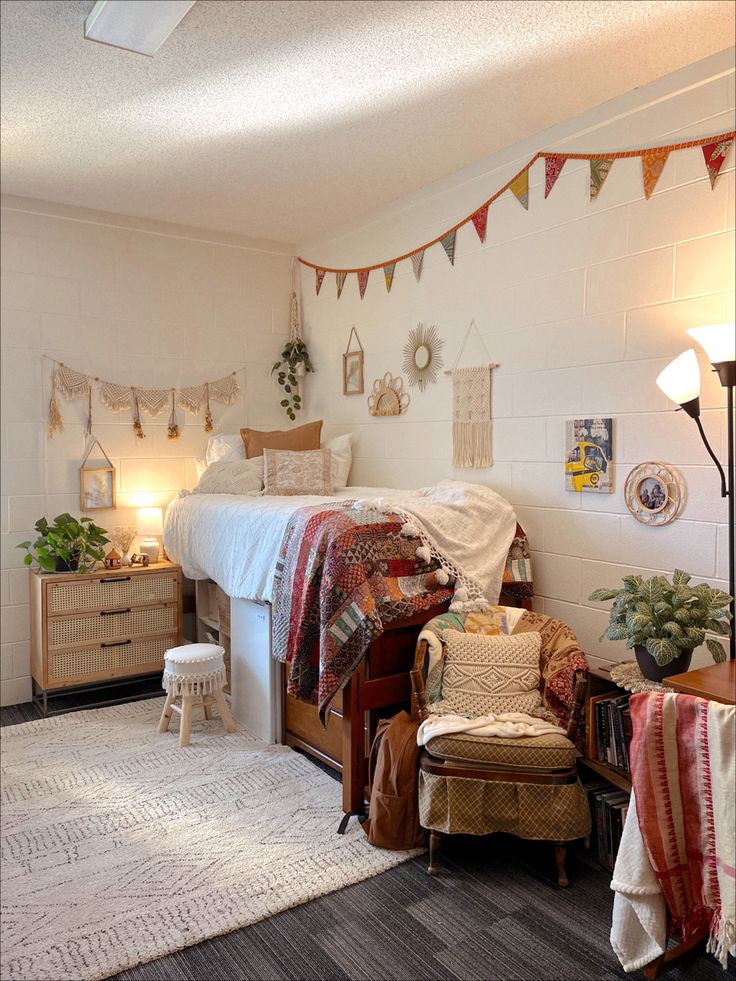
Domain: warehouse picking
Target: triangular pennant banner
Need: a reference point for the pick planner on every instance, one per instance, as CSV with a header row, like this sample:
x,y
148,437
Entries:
x,y
552,168
340,280
651,167
225,390
417,261
520,189
715,154
600,167
388,272
480,220
362,281
320,275
448,244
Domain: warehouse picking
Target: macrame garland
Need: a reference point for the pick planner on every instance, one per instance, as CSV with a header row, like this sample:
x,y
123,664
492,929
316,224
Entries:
x,y
56,423
72,384
173,432
137,415
153,400
191,399
224,390
114,397
208,423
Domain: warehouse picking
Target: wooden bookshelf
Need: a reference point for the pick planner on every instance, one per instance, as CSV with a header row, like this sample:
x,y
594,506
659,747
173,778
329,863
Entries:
x,y
613,774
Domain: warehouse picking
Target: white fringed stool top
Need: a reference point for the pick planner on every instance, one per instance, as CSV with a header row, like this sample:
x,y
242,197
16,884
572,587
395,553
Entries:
x,y
194,669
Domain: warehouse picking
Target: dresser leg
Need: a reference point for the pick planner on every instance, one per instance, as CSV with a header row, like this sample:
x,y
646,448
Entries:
x,y
186,719
166,713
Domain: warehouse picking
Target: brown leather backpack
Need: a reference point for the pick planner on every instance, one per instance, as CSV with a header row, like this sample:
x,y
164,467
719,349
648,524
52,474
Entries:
x,y
393,820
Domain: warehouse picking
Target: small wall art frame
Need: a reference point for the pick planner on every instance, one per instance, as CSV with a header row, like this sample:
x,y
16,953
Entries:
x,y
422,358
96,484
352,367
654,493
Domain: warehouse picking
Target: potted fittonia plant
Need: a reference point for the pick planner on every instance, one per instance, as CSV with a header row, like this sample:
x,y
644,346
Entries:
x,y
294,364
67,545
665,621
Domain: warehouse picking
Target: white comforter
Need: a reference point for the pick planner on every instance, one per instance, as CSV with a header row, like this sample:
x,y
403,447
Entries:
x,y
235,539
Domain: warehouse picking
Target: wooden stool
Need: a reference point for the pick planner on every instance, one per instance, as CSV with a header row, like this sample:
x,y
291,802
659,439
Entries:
x,y
196,674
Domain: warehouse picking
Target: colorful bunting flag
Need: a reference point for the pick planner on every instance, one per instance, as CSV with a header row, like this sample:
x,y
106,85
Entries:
x,y
417,261
552,168
600,167
651,167
480,220
388,272
340,280
715,154
362,281
448,244
320,275
520,188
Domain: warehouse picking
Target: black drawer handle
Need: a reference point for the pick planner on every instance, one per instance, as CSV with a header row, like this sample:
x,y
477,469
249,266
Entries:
x,y
114,613
120,643
116,579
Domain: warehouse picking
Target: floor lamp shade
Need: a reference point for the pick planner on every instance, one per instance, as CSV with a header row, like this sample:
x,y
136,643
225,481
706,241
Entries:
x,y
680,380
717,340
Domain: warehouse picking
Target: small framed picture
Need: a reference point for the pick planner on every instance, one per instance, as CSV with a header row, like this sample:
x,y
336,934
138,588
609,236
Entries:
x,y
652,494
97,488
352,373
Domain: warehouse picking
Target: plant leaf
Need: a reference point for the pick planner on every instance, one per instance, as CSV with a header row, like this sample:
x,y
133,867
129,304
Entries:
x,y
716,650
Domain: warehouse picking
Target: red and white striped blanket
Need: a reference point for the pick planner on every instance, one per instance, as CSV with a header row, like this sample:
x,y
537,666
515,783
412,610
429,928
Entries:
x,y
678,849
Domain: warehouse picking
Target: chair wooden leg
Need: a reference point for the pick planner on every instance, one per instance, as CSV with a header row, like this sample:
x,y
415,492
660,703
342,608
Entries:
x,y
186,719
166,713
560,860
435,846
207,706
222,705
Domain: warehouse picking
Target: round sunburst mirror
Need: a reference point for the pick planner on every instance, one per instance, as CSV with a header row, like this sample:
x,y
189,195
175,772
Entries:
x,y
388,397
422,359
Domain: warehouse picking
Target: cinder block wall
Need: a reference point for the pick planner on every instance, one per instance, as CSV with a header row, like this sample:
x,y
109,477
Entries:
x,y
582,303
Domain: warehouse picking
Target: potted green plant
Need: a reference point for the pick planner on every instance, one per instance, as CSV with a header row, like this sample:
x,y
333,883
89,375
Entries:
x,y
665,621
293,365
67,545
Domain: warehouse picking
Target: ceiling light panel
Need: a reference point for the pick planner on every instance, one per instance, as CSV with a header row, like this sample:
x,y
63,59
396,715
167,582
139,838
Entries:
x,y
135,25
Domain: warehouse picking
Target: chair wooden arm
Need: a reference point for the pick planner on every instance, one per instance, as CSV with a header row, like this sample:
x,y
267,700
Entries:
x,y
419,708
578,707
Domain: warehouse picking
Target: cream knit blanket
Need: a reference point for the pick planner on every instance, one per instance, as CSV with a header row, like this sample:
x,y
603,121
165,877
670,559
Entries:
x,y
508,725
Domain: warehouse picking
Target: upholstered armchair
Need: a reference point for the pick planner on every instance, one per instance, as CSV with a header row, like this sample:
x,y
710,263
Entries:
x,y
526,786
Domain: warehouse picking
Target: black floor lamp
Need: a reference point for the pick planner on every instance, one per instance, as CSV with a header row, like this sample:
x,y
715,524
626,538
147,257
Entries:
x,y
680,381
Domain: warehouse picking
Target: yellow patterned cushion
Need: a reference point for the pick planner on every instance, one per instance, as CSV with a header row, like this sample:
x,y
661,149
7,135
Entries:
x,y
549,752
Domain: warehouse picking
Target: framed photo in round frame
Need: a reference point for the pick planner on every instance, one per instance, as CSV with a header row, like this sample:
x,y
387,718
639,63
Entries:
x,y
654,493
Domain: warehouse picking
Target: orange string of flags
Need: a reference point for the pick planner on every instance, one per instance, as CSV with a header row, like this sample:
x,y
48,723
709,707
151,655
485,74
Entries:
x,y
715,149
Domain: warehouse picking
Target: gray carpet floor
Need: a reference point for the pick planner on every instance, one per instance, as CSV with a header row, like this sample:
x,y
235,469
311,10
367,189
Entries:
x,y
495,912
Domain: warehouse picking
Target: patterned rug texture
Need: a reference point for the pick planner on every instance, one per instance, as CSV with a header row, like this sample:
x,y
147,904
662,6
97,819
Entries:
x,y
118,847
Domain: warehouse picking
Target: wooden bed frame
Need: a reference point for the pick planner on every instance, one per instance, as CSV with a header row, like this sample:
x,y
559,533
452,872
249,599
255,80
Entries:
x,y
378,688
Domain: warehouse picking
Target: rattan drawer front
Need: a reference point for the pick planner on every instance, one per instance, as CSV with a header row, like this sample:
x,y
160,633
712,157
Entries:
x,y
97,663
111,592
64,631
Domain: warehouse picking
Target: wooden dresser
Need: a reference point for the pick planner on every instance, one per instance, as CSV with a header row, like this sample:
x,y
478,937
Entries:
x,y
102,626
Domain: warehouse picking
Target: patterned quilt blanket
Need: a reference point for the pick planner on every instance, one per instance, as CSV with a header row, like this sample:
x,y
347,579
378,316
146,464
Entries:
x,y
343,575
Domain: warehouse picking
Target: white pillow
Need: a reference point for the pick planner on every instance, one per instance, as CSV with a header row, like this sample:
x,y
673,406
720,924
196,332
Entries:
x,y
200,463
233,477
342,459
224,448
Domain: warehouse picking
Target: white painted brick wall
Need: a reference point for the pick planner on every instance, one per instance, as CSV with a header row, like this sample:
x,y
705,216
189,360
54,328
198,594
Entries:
x,y
134,306
582,303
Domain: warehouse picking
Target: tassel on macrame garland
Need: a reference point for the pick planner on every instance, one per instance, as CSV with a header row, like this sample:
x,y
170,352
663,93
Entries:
x,y
173,432
208,424
88,431
137,415
56,423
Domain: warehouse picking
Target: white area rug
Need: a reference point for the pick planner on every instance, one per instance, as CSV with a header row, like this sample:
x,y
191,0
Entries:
x,y
119,847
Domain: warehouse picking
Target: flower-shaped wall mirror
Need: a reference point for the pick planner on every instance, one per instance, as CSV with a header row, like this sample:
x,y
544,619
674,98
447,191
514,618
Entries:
x,y
422,358
388,397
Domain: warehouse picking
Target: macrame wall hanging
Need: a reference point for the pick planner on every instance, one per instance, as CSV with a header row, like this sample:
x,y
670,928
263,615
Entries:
x,y
194,399
471,410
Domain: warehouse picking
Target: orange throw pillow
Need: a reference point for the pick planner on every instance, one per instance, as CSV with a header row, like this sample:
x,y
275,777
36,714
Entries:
x,y
302,438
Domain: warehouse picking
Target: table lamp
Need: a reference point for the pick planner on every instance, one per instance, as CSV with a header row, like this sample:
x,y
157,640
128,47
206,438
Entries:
x,y
150,525
680,381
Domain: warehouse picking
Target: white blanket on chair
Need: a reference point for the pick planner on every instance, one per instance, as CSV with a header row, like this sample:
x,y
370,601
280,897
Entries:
x,y
507,725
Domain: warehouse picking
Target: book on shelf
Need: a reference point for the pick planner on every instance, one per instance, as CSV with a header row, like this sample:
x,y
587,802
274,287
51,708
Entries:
x,y
608,813
612,730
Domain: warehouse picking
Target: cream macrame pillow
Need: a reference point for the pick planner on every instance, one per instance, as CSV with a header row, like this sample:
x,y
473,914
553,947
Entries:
x,y
498,673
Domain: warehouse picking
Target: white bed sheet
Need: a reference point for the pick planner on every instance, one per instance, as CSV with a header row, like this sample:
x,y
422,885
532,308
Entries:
x,y
235,539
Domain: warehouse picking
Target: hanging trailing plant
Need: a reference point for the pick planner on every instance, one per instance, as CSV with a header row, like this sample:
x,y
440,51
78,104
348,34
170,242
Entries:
x,y
294,364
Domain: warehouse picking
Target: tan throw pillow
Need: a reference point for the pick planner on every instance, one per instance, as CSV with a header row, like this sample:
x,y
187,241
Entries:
x,y
290,472
302,438
483,674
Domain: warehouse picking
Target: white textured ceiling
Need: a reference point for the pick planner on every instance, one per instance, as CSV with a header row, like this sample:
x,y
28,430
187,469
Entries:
x,y
280,119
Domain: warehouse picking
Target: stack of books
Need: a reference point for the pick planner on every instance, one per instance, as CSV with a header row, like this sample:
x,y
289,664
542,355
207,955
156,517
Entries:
x,y
608,809
613,730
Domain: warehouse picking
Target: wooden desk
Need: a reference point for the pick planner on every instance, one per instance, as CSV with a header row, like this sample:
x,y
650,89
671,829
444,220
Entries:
x,y
716,682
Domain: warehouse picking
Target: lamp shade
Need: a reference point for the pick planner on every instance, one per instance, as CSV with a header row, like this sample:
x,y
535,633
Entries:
x,y
150,522
680,380
717,340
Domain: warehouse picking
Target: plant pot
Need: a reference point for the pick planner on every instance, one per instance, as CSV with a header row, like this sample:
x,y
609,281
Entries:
x,y
63,566
656,672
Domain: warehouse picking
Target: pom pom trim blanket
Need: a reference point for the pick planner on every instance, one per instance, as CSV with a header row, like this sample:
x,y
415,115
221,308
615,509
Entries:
x,y
678,848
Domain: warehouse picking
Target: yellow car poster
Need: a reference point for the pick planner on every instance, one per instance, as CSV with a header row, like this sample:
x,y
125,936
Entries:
x,y
589,455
